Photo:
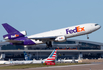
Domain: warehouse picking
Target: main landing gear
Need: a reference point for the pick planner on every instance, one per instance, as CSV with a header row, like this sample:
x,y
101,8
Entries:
x,y
49,44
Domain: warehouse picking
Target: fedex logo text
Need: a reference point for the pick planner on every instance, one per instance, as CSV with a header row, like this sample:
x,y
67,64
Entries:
x,y
16,35
77,29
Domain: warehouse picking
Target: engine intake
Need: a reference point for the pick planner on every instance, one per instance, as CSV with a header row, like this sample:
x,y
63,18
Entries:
x,y
60,39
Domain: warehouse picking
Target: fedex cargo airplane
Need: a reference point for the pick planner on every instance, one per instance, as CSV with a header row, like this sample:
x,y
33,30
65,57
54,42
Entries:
x,y
59,35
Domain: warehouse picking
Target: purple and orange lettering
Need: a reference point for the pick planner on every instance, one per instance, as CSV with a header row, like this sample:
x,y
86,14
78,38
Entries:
x,y
77,29
16,35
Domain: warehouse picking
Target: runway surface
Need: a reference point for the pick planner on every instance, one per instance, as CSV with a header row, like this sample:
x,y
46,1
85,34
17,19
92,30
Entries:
x,y
95,66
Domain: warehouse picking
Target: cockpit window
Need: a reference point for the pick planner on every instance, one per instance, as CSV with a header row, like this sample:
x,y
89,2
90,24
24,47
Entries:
x,y
96,24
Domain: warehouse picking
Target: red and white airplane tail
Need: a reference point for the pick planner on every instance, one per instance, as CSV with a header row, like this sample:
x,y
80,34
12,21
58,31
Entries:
x,y
51,59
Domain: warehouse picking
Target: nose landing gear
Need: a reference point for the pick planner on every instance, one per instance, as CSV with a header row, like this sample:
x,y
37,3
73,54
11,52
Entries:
x,y
87,36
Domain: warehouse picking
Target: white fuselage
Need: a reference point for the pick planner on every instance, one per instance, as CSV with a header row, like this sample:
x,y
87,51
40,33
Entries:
x,y
67,32
17,62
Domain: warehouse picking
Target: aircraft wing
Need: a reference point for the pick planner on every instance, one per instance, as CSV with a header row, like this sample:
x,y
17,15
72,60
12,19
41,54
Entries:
x,y
14,41
44,38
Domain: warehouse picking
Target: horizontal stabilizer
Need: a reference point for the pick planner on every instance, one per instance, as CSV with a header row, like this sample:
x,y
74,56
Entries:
x,y
14,41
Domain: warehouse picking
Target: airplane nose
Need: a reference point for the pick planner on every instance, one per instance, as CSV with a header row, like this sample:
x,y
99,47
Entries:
x,y
99,26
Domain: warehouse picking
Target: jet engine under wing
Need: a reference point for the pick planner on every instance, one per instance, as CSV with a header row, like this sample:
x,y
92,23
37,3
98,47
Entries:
x,y
14,41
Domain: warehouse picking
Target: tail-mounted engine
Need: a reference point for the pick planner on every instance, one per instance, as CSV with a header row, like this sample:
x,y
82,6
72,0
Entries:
x,y
14,35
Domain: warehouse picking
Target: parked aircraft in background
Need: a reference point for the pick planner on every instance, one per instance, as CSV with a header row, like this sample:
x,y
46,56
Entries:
x,y
67,60
51,59
26,56
59,35
26,61
48,61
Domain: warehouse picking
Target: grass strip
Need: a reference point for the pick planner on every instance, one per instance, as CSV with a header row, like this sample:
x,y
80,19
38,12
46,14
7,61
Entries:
x,y
25,66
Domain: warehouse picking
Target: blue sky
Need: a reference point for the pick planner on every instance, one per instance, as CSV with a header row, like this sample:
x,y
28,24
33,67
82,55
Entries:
x,y
37,16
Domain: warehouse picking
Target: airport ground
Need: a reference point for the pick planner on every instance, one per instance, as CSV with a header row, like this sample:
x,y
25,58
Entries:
x,y
93,64
73,67
25,66
96,66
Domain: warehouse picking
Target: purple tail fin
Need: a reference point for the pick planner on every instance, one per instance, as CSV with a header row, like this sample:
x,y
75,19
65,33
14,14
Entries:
x,y
12,32
9,28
